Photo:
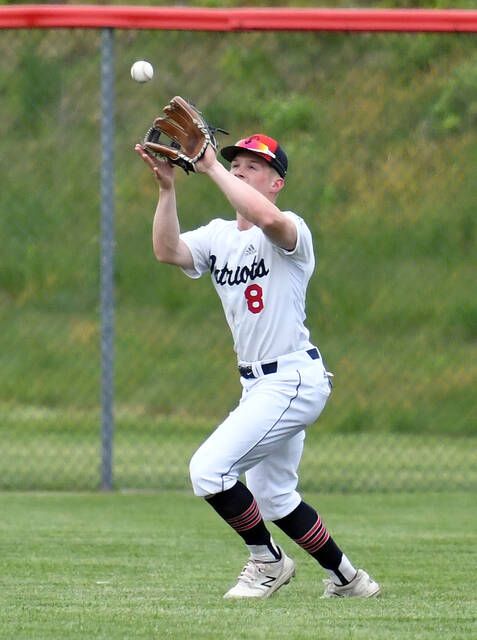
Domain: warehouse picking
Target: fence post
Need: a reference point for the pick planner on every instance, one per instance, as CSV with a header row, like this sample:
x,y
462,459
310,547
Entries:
x,y
107,257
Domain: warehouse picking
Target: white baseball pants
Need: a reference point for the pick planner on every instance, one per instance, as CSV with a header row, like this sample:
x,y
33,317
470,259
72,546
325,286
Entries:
x,y
263,437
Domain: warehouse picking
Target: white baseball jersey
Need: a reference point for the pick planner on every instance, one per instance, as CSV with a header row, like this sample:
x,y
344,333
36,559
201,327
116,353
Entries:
x,y
262,287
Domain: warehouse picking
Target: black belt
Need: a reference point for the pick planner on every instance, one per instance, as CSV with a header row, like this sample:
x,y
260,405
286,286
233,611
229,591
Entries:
x,y
271,367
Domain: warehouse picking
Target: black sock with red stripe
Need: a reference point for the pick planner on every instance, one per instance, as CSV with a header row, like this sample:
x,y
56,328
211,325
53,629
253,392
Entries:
x,y
305,527
239,509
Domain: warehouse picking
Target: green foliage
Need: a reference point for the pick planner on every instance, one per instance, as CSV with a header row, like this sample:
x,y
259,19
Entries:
x,y
455,109
380,132
297,114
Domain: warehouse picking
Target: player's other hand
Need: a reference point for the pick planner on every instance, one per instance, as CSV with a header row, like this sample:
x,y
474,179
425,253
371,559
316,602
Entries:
x,y
160,167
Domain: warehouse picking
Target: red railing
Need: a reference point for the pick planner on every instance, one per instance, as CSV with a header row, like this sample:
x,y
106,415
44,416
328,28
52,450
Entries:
x,y
239,19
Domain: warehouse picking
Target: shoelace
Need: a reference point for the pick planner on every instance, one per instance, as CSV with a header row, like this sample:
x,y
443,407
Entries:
x,y
251,570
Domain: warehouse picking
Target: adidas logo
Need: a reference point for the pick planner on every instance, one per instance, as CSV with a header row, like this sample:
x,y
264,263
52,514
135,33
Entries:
x,y
250,250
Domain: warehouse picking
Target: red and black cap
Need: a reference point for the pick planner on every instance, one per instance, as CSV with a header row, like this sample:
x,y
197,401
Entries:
x,y
262,145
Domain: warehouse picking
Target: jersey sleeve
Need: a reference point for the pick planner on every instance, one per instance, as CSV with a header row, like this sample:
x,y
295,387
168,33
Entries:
x,y
303,251
198,242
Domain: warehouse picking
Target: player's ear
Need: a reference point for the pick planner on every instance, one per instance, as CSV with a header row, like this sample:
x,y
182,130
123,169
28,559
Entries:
x,y
277,183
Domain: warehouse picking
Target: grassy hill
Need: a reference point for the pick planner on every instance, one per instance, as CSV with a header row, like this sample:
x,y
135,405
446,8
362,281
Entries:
x,y
381,135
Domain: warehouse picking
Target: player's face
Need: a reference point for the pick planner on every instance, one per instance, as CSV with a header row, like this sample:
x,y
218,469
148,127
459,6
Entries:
x,y
256,172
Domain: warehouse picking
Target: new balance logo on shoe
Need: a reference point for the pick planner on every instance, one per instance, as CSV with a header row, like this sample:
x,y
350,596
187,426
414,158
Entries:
x,y
262,579
268,583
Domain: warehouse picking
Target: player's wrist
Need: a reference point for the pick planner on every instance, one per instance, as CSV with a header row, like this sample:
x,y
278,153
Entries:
x,y
165,185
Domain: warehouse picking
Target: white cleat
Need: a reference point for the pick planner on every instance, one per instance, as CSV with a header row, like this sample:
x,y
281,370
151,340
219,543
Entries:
x,y
261,579
362,586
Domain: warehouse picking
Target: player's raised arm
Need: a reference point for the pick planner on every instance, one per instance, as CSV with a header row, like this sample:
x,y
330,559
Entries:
x,y
252,185
167,244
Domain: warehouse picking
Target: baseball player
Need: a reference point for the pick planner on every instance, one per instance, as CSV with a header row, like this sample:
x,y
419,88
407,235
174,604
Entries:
x,y
260,264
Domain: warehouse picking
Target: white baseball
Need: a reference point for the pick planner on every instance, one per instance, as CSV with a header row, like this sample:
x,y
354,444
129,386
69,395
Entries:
x,y
142,71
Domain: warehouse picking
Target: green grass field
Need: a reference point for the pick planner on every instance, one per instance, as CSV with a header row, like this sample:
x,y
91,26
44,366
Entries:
x,y
116,566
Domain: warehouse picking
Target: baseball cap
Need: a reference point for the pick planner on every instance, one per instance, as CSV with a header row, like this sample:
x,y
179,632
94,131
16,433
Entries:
x,y
264,146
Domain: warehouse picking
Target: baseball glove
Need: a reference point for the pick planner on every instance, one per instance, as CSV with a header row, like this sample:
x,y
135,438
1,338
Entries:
x,y
188,133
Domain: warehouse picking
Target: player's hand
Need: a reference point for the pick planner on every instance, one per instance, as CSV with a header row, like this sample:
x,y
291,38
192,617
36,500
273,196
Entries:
x,y
207,161
160,167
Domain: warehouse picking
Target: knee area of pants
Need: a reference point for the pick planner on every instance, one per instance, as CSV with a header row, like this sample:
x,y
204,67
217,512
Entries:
x,y
194,473
200,477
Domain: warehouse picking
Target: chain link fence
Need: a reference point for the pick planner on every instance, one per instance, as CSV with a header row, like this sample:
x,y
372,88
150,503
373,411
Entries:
x,y
380,131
